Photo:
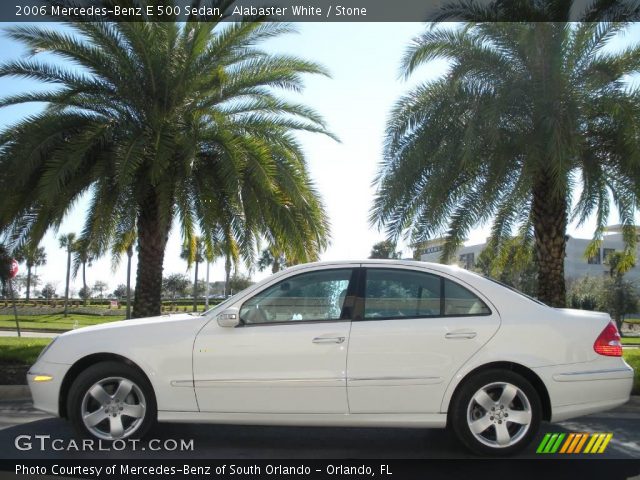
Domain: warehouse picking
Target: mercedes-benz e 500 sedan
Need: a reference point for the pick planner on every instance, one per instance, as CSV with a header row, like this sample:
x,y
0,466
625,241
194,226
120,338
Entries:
x,y
372,343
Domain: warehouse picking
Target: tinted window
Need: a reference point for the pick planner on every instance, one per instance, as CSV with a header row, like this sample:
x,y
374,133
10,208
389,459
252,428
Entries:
x,y
408,294
401,294
460,301
316,295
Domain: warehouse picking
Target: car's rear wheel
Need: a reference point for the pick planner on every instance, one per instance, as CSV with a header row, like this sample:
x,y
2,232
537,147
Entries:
x,y
496,412
111,401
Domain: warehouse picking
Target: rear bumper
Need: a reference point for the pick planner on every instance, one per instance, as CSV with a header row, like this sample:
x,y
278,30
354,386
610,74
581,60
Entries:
x,y
586,389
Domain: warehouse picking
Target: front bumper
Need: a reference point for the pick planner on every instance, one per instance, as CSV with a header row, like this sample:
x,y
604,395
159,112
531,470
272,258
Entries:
x,y
46,394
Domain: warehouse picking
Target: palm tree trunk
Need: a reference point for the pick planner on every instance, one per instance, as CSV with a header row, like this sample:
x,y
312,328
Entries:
x,y
550,224
206,293
84,282
28,280
152,240
195,289
129,255
66,288
227,275
15,309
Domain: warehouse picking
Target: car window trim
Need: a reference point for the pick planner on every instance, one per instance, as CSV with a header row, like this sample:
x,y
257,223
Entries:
x,y
242,324
362,297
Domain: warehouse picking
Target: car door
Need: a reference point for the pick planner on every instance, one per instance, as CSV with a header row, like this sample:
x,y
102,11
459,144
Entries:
x,y
411,334
287,355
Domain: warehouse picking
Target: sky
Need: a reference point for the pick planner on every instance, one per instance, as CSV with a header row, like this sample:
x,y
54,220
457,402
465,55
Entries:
x,y
364,60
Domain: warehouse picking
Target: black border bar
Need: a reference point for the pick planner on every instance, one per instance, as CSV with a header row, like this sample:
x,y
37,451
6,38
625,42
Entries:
x,y
319,10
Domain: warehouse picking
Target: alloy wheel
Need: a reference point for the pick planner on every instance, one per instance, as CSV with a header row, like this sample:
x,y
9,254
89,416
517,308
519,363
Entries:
x,y
499,415
113,408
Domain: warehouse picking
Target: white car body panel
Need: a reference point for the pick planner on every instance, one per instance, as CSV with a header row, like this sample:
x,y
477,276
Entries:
x,y
271,368
404,365
385,373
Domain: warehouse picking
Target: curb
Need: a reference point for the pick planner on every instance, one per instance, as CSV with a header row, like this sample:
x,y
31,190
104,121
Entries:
x,y
15,392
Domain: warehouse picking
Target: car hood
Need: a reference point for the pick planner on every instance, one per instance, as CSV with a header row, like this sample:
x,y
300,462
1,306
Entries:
x,y
149,322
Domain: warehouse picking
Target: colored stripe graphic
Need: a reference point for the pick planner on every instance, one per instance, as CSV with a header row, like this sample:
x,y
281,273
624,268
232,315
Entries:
x,y
606,441
592,442
574,443
543,443
567,443
581,443
555,447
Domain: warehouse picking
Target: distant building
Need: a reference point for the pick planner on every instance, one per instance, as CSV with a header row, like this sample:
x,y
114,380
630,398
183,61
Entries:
x,y
575,263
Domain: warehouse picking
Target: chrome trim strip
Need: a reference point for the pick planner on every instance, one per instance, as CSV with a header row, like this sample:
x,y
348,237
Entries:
x,y
182,383
607,374
592,372
265,382
359,379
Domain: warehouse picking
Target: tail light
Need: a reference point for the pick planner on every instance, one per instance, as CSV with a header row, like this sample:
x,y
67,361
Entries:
x,y
608,342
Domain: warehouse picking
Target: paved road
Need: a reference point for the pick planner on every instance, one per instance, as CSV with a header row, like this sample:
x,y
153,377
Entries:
x,y
220,441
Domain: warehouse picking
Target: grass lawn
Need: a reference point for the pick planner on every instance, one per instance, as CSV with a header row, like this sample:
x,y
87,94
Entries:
x,y
630,340
21,350
56,321
633,358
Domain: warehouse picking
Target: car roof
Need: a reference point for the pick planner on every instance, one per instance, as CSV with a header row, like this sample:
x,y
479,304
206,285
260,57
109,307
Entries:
x,y
451,269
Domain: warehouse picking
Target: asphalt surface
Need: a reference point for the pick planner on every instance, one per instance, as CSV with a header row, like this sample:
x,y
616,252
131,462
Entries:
x,y
224,441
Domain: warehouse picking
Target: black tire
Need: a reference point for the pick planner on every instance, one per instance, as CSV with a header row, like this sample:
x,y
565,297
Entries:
x,y
141,397
464,409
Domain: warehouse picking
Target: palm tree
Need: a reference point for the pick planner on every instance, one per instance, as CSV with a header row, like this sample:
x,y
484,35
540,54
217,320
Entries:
x,y
83,257
166,123
124,241
194,253
99,287
5,268
525,111
68,242
272,257
33,256
384,249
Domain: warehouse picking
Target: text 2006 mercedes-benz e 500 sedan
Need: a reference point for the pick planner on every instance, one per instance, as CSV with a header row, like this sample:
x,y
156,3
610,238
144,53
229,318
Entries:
x,y
371,343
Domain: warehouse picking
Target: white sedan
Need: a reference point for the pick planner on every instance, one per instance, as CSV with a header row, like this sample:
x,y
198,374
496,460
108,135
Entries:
x,y
367,344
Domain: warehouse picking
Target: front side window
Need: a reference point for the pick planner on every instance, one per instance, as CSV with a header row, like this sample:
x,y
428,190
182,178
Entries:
x,y
312,296
396,294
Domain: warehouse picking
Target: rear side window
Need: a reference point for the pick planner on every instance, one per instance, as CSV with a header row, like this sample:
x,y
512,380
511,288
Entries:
x,y
460,301
395,294
401,294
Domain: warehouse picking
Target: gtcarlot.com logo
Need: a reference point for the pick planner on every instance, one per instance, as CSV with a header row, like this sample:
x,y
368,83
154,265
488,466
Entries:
x,y
574,443
47,443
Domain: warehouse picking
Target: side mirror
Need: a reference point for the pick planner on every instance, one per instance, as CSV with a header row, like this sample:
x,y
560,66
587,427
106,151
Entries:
x,y
229,317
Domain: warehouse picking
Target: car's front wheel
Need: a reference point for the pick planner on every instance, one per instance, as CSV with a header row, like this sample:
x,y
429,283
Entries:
x,y
111,401
496,412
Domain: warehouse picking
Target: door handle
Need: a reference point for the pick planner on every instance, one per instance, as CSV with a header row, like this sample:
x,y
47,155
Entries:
x,y
328,340
460,335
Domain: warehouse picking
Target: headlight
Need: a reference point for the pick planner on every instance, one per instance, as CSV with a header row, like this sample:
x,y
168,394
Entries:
x,y
46,348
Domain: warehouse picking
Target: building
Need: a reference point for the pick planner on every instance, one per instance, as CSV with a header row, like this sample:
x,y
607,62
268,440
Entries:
x,y
576,265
